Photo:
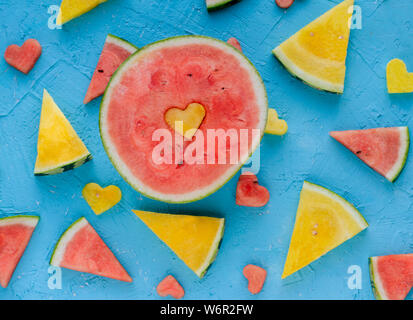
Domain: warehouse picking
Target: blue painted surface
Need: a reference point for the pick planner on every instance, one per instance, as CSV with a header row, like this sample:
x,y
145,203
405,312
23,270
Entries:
x,y
259,236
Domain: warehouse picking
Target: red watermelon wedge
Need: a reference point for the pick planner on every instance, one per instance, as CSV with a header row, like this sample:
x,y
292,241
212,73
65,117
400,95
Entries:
x,y
81,249
15,234
115,51
383,149
391,276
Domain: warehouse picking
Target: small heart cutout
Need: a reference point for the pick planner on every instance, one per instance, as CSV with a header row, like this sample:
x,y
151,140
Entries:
x,y
256,277
186,122
235,43
101,199
284,4
275,125
398,79
250,193
170,286
23,58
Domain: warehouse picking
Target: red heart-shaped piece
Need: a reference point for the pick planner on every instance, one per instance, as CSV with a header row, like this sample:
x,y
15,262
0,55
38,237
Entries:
x,y
235,43
256,277
284,4
23,58
169,286
250,193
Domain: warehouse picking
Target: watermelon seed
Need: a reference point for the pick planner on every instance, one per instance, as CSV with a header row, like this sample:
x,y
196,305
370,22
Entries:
x,y
358,152
100,70
189,74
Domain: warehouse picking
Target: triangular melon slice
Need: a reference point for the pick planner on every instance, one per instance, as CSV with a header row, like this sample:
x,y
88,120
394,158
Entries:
x,y
195,240
70,9
317,53
81,249
324,220
59,148
385,150
391,276
114,52
15,234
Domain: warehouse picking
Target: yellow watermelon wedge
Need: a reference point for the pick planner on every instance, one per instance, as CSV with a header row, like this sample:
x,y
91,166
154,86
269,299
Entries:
x,y
59,148
317,53
70,9
195,240
324,220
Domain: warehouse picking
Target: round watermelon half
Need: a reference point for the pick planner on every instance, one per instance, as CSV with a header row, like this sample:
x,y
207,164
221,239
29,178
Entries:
x,y
15,234
391,276
174,73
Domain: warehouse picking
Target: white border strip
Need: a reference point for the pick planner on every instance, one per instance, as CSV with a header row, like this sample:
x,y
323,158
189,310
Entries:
x,y
30,221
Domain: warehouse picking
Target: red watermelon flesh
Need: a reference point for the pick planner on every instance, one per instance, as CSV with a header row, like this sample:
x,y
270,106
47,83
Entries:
x,y
235,43
115,51
175,76
256,277
392,276
170,286
15,234
383,149
23,58
250,193
85,251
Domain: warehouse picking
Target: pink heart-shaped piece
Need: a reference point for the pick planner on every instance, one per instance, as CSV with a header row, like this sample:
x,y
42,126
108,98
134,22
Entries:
x,y
235,43
256,277
250,193
170,286
23,58
284,4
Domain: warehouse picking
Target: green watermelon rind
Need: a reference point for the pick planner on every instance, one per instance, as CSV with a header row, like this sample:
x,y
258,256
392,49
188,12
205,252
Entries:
x,y
221,4
118,71
213,252
70,165
62,241
375,280
122,43
404,152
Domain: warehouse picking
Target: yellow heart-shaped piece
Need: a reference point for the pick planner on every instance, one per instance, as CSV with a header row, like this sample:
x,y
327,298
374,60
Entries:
x,y
186,122
101,199
275,125
398,79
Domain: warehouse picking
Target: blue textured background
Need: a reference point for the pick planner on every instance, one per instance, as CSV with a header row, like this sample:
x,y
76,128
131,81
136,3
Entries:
x,y
259,236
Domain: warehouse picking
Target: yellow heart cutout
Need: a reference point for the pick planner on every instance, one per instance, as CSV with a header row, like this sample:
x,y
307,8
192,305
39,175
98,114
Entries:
x,y
101,199
186,122
398,79
275,125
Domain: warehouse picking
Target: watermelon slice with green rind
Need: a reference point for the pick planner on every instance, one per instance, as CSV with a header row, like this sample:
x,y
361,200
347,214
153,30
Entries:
x,y
385,150
81,249
213,5
115,51
15,234
176,72
391,276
